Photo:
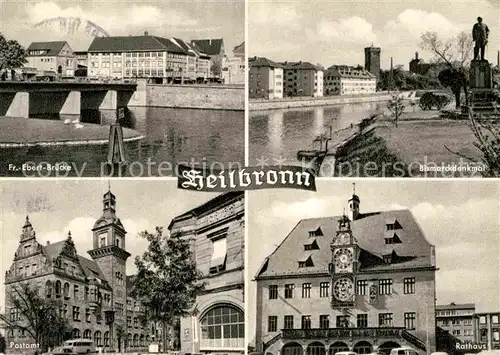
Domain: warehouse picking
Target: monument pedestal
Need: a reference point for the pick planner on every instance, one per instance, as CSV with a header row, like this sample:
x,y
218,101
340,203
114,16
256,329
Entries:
x,y
481,76
482,98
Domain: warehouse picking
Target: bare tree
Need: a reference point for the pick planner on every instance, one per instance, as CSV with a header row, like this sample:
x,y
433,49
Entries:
x,y
455,54
396,106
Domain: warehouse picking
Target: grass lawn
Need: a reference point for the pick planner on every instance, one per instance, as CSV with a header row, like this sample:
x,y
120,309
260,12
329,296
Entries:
x,y
15,130
423,142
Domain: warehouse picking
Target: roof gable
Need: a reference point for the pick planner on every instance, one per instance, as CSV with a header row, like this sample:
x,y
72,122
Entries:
x,y
50,48
210,46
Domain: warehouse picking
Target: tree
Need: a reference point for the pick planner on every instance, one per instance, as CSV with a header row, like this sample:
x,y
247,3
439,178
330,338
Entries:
x,y
167,281
12,54
36,316
455,54
396,106
216,67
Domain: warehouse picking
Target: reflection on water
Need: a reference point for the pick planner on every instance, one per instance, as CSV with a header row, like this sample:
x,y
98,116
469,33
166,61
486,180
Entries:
x,y
280,134
172,136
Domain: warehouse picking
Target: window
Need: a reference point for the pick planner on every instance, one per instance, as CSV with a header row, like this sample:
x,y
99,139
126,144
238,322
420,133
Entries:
x,y
97,338
342,321
361,287
289,288
455,322
48,289
75,292
482,320
496,334
409,285
306,290
456,331
223,327
102,242
306,322
58,289
106,339
362,321
324,288
129,321
483,335
273,292
324,321
272,324
76,313
385,320
288,320
467,321
494,319
218,260
15,315
136,323
385,287
410,320
86,294
87,315
66,290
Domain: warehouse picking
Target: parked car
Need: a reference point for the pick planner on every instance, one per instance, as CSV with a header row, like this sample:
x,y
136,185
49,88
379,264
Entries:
x,y
61,350
406,350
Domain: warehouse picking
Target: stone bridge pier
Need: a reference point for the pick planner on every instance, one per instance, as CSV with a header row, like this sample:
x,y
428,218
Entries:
x,y
105,100
64,103
15,104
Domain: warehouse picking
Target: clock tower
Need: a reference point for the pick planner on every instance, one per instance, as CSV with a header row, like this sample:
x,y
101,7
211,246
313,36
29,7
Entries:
x,y
344,265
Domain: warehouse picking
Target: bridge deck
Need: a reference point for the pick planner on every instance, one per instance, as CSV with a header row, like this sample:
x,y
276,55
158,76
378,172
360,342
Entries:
x,y
36,86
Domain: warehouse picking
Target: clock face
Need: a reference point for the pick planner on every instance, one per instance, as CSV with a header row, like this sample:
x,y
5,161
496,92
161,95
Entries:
x,y
343,259
343,238
343,289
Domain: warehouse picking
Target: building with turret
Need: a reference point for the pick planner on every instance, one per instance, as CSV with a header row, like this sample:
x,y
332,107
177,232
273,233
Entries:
x,y
362,282
94,294
372,61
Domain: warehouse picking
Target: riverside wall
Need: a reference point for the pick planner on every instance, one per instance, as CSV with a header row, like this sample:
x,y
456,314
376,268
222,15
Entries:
x,y
215,97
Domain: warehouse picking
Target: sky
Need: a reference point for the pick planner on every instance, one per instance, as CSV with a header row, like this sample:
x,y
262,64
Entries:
x,y
459,217
332,32
186,19
56,207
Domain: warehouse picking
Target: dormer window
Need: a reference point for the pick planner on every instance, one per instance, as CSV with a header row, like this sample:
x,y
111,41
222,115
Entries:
x,y
387,259
316,233
306,260
394,239
313,245
392,224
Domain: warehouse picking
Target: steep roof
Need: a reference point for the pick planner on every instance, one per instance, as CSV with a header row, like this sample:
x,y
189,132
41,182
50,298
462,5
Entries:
x,y
263,62
52,48
239,49
369,231
300,66
344,71
209,46
90,267
134,44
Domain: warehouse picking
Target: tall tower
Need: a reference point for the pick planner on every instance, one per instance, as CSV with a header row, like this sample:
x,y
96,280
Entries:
x,y
354,204
110,255
372,61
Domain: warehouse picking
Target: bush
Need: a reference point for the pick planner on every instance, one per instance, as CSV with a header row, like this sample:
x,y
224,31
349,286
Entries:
x,y
430,100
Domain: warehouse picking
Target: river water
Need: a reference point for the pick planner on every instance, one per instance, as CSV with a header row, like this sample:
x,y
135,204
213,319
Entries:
x,y
277,135
211,138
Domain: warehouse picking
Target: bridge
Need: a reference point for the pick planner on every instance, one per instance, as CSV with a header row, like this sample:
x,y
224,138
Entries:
x,y
25,98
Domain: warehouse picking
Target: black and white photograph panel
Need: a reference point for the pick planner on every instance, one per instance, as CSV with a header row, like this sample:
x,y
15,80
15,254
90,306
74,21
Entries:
x,y
375,88
126,268
120,88
376,267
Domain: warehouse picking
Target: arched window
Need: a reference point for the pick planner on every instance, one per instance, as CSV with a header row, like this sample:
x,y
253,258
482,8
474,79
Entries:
x,y
106,339
97,338
87,334
338,347
66,290
48,288
363,347
147,340
129,340
292,349
223,327
141,340
58,289
75,333
316,348
136,340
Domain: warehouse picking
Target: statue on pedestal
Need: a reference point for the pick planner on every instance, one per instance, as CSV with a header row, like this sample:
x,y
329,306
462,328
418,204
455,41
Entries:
x,y
480,33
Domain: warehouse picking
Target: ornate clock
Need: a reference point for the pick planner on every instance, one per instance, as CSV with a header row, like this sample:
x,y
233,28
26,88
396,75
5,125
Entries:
x,y
343,259
343,289
343,238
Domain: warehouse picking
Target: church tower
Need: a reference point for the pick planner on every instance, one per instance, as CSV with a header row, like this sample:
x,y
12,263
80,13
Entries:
x,y
354,204
110,254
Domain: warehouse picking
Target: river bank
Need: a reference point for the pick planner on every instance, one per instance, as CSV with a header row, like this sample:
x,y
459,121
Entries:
x,y
18,132
418,147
